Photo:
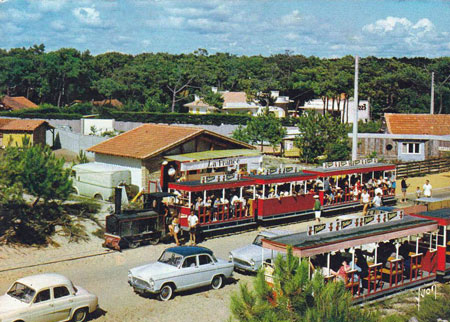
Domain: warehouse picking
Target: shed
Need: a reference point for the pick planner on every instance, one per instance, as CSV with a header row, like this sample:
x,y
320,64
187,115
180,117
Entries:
x,y
13,131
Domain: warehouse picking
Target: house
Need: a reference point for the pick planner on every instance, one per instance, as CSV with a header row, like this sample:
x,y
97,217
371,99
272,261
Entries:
x,y
408,137
142,150
238,103
13,131
9,103
340,109
108,102
198,106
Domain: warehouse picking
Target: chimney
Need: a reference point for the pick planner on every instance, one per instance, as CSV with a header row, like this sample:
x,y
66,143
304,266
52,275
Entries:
x,y
117,200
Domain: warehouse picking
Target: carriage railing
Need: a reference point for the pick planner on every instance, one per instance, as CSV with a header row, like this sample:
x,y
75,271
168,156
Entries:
x,y
374,279
394,272
415,268
221,213
348,195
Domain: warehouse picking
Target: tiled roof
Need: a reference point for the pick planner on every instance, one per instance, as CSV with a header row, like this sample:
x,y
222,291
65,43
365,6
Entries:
x,y
17,103
149,140
234,97
422,124
21,125
199,103
113,102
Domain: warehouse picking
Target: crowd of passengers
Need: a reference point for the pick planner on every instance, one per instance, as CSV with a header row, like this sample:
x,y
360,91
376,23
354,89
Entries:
x,y
341,264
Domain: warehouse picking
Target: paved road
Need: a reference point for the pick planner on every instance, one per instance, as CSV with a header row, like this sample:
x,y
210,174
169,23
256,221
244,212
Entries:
x,y
106,276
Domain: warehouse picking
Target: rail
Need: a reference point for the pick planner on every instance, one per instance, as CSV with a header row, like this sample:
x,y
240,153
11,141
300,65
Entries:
x,y
423,167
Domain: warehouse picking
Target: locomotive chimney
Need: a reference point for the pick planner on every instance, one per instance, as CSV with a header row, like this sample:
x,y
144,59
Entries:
x,y
117,200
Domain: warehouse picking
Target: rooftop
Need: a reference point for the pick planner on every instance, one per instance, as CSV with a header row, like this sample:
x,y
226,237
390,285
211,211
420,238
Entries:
x,y
149,140
37,282
422,124
17,103
189,250
21,125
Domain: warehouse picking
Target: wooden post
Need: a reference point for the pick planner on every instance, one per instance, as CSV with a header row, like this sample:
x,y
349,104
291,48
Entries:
x,y
254,192
190,203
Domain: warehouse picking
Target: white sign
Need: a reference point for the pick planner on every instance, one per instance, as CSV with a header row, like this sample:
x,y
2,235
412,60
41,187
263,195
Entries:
x,y
423,291
338,164
444,148
354,222
220,178
219,163
281,170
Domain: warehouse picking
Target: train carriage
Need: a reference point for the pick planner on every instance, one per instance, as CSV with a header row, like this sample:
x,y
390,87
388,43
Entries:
x,y
425,235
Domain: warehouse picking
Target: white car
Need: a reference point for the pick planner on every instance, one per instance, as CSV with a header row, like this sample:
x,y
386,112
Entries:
x,y
46,298
249,258
180,268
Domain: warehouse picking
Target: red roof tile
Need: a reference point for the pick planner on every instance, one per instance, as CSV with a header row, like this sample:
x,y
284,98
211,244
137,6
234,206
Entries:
x,y
149,140
421,124
21,125
17,103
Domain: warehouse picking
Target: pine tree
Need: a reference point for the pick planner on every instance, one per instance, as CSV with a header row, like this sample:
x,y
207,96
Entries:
x,y
295,297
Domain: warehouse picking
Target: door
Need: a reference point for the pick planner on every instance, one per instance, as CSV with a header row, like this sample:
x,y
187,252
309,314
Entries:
x,y
207,269
63,302
189,273
42,308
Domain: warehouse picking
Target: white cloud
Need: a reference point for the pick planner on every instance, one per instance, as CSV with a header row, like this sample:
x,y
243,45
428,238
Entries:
x,y
58,25
89,16
49,5
13,14
292,36
292,19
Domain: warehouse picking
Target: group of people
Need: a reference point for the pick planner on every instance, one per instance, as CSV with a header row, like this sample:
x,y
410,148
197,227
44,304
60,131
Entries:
x,y
174,227
342,268
427,189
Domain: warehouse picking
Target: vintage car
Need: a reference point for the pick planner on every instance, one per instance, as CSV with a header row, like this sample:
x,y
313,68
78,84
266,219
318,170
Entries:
x,y
46,298
248,258
180,268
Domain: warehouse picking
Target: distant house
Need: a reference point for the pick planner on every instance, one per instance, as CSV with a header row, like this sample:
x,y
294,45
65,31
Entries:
x,y
237,102
198,106
13,131
142,150
341,108
108,102
408,137
9,103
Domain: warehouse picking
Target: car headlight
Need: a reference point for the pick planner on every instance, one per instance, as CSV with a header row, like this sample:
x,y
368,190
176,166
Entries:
x,y
230,257
129,276
252,262
151,283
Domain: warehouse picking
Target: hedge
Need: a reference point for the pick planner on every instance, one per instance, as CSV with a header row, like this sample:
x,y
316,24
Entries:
x,y
145,117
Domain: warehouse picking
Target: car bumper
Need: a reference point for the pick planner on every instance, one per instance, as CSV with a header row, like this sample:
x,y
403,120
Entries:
x,y
244,266
140,286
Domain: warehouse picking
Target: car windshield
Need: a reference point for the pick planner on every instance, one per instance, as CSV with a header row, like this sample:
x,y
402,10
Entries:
x,y
21,292
258,239
171,259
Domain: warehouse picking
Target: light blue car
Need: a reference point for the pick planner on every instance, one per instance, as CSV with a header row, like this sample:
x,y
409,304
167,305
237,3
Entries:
x,y
250,258
180,268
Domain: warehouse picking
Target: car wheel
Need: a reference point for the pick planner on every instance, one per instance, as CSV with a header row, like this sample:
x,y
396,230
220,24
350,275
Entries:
x,y
154,241
98,197
79,315
217,282
134,244
166,292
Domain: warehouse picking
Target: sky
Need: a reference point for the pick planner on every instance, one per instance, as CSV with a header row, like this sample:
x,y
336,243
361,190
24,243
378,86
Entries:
x,y
330,29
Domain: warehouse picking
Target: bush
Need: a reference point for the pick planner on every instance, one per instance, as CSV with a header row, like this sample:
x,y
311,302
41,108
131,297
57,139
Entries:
x,y
431,310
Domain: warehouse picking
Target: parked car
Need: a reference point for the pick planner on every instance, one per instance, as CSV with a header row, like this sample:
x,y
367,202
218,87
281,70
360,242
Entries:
x,y
46,298
180,268
248,258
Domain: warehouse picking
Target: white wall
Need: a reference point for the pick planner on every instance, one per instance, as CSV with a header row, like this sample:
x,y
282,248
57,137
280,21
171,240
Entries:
x,y
363,111
102,125
134,165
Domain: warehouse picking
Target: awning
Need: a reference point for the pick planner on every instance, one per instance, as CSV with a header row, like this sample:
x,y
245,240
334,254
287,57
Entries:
x,y
195,186
282,177
362,168
209,155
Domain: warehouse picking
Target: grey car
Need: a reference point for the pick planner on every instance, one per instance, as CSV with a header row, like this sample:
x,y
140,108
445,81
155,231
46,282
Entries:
x,y
249,258
180,268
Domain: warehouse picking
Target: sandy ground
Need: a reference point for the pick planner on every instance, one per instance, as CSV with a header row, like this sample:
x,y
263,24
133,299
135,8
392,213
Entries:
x,y
437,181
106,274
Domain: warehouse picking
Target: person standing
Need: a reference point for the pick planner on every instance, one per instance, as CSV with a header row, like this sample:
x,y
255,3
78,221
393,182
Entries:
x,y
377,201
427,189
317,208
365,200
404,187
192,221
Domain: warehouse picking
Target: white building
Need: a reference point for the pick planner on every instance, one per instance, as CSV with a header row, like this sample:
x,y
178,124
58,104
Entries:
x,y
339,109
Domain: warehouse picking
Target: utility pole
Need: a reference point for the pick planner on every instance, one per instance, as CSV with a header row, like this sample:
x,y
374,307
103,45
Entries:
x,y
432,94
355,118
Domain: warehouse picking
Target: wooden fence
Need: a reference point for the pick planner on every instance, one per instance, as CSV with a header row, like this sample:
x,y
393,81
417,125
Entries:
x,y
418,168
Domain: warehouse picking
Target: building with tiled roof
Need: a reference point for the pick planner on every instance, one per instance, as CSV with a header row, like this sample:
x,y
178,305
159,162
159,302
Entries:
x,y
9,103
409,137
426,124
198,106
13,131
142,150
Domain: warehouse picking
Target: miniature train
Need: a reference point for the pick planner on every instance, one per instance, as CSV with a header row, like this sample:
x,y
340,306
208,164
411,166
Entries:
x,y
236,201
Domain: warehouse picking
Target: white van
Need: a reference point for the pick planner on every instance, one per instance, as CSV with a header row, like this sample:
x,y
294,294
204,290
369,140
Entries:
x,y
98,180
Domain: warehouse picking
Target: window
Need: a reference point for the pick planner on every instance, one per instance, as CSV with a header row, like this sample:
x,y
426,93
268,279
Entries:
x,y
389,147
190,262
60,291
411,148
204,259
42,296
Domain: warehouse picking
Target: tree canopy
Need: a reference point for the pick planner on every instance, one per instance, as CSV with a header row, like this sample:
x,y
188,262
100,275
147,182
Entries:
x,y
164,82
295,297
